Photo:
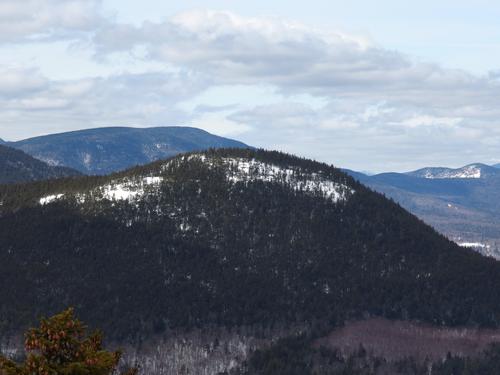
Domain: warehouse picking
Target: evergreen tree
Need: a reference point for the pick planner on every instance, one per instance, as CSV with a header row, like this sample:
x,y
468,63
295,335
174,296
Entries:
x,y
61,346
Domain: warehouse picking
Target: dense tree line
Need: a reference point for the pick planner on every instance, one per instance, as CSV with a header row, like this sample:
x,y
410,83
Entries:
x,y
297,356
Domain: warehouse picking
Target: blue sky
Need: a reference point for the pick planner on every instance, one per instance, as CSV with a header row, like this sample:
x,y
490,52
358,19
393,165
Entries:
x,y
378,86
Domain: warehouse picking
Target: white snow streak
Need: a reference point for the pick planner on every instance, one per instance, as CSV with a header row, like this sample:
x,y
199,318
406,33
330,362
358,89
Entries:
x,y
129,190
475,245
470,171
50,198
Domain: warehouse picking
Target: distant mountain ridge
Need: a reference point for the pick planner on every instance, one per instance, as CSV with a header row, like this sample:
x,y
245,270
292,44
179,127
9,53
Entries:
x,y
476,170
105,150
462,203
17,166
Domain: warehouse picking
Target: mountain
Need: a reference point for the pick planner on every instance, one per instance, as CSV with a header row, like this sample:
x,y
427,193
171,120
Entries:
x,y
194,262
469,171
496,166
106,150
16,167
463,203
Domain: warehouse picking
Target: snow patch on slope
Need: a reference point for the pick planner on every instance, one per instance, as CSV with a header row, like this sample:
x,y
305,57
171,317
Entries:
x,y
486,249
48,160
473,171
87,160
123,190
50,198
474,245
245,170
129,190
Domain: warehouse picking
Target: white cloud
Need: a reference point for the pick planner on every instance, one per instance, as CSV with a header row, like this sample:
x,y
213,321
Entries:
x,y
284,115
44,19
42,103
216,122
425,120
237,50
15,82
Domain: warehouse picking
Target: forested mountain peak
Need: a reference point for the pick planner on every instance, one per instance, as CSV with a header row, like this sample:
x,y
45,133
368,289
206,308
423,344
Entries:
x,y
236,165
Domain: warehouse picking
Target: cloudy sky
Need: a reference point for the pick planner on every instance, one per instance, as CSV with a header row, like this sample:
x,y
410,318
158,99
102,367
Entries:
x,y
376,86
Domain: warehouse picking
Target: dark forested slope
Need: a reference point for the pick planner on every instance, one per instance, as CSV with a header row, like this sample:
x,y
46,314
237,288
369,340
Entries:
x,y
16,167
230,237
